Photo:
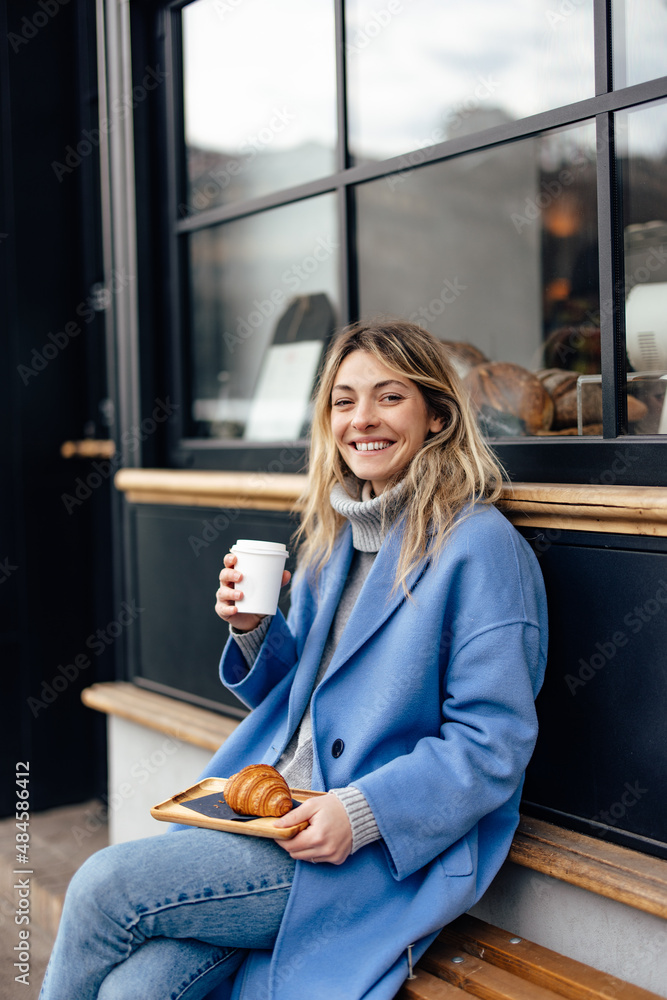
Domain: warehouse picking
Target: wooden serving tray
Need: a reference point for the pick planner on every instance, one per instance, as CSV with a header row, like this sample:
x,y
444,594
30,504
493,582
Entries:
x,y
171,811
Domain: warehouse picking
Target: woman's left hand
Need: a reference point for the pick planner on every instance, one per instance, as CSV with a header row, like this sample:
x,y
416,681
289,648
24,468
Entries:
x,y
328,836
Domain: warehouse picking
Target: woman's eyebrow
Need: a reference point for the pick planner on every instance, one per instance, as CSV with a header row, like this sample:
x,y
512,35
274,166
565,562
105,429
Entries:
x,y
378,385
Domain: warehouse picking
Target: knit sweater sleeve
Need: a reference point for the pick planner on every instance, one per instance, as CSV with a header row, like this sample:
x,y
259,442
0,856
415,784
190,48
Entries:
x,y
364,828
250,642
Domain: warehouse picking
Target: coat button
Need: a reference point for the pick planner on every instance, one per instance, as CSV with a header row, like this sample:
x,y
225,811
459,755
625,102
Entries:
x,y
337,748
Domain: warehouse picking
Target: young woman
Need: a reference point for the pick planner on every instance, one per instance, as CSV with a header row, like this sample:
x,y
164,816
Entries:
x,y
402,683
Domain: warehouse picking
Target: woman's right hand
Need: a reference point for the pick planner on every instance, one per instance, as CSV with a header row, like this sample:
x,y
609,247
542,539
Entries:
x,y
228,593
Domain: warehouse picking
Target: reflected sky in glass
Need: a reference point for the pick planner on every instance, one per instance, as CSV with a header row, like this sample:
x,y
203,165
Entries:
x,y
422,71
640,41
259,97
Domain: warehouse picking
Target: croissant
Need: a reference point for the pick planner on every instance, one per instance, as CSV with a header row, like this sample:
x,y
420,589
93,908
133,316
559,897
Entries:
x,y
258,790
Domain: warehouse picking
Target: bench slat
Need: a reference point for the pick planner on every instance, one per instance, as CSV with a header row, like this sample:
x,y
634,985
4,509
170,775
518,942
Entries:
x,y
546,968
477,977
427,987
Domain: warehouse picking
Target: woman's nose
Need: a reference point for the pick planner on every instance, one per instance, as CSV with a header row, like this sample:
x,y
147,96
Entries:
x,y
364,416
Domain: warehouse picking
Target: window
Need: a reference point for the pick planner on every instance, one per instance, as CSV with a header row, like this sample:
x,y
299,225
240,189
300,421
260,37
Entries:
x,y
642,150
492,171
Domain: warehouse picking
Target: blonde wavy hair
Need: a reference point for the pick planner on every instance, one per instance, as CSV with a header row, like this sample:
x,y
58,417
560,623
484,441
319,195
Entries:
x,y
453,468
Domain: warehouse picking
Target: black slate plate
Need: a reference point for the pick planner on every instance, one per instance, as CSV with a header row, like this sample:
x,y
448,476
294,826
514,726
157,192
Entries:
x,y
214,805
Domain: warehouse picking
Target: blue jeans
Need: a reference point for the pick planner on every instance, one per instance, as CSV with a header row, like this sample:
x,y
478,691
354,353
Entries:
x,y
167,917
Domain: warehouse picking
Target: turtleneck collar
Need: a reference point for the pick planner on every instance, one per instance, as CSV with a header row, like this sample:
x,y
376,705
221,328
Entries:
x,y
365,515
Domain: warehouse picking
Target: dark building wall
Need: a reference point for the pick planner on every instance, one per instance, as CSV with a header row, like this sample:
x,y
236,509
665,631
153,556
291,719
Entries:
x,y
54,580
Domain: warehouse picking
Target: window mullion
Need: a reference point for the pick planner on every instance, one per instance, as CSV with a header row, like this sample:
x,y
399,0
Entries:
x,y
342,159
176,190
603,55
345,251
612,313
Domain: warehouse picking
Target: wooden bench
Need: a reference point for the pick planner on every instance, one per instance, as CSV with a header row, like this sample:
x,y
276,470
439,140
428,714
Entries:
x,y
476,959
493,964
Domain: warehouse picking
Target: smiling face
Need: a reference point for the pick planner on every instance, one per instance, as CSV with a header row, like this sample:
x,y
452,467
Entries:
x,y
379,419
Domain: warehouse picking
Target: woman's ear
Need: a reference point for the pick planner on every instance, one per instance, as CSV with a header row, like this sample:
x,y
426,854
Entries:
x,y
436,424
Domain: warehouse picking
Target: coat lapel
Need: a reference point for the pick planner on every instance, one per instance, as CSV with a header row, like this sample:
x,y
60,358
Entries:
x,y
376,602
332,583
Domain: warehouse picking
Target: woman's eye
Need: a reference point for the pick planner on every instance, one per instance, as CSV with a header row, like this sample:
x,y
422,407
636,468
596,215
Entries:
x,y
392,398
341,402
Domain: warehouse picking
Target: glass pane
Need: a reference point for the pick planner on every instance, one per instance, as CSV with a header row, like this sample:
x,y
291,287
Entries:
x,y
642,150
639,41
496,253
431,70
259,83
263,301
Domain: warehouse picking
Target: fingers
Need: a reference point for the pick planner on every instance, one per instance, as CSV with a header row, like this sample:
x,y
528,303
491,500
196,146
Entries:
x,y
227,593
229,577
328,836
300,814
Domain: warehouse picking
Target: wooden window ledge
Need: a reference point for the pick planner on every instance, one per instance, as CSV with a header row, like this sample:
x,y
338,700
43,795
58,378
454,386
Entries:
x,y
198,726
609,870
616,872
630,510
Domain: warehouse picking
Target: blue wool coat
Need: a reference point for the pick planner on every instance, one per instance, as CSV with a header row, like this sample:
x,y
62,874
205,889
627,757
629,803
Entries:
x,y
433,699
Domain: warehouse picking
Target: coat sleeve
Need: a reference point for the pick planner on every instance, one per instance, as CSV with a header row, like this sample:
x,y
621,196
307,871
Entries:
x,y
278,653
426,800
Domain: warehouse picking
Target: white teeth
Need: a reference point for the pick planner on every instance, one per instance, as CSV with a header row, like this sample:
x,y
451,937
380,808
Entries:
x,y
372,445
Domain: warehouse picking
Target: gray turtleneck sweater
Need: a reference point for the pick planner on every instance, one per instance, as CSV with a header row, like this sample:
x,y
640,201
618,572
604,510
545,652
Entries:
x,y
296,762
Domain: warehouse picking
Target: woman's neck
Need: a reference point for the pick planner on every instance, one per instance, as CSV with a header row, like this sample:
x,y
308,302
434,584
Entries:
x,y
366,515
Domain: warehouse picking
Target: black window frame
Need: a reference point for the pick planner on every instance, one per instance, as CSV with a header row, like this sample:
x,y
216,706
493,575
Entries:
x,y
615,458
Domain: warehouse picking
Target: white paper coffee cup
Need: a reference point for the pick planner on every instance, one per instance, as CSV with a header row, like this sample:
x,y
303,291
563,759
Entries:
x,y
262,565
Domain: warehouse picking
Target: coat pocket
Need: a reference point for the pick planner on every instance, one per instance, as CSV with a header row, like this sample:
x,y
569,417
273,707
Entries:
x,y
457,860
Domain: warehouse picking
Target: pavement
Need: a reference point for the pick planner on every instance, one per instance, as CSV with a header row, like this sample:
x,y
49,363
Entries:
x,y
60,841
